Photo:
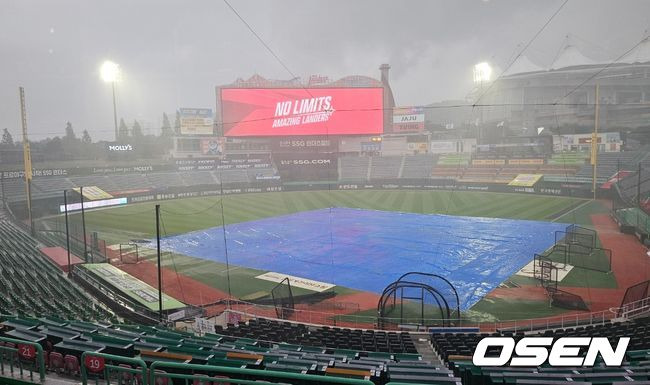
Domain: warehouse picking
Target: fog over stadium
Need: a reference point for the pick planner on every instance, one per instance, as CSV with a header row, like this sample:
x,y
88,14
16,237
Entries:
x,y
172,53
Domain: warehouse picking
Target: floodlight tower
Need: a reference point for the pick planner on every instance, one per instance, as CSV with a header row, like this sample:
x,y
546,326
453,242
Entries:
x,y
111,73
482,74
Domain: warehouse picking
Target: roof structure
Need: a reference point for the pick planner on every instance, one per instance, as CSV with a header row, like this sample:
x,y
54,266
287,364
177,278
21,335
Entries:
x,y
522,65
640,54
571,57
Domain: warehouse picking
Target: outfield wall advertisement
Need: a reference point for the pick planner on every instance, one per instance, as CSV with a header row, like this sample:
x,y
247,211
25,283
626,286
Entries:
x,y
298,111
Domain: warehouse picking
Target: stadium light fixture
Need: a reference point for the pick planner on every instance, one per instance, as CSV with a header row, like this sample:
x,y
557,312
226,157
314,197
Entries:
x,y
482,72
111,73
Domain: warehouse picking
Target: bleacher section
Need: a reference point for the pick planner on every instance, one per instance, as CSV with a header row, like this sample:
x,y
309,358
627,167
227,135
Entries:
x,y
50,186
457,349
232,176
608,165
335,338
198,178
129,182
103,182
272,351
30,284
354,168
14,189
418,166
561,167
66,341
167,179
385,167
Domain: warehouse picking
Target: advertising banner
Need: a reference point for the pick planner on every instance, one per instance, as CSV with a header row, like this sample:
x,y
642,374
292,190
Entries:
x,y
443,147
305,144
296,111
488,162
212,146
408,119
297,160
525,161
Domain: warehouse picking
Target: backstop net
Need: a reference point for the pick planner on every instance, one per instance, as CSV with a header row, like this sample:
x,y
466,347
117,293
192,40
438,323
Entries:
x,y
283,299
579,246
631,201
633,296
129,253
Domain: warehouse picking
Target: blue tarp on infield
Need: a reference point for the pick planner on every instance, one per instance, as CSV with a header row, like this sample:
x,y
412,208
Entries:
x,y
367,250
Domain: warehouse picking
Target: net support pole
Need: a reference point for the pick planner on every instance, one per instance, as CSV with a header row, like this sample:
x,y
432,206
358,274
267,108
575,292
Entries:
x,y
27,159
594,139
225,241
638,186
83,223
160,307
67,229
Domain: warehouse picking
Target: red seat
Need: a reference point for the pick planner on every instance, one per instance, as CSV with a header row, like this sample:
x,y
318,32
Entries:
x,y
71,365
10,356
202,381
138,379
126,377
56,362
220,382
160,380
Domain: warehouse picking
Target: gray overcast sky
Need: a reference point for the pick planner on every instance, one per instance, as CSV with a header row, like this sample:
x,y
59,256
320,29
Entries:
x,y
173,53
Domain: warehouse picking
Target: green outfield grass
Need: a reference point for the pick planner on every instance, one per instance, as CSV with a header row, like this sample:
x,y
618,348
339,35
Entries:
x,y
181,216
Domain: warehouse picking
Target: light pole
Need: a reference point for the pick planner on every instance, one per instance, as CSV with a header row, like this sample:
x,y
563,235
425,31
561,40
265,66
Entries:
x,y
110,73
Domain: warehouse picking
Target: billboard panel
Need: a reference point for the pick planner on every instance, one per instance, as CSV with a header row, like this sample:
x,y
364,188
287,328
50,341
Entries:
x,y
408,119
212,146
297,111
196,121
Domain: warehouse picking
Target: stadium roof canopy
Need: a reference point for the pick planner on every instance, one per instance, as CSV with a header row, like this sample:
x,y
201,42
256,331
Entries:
x,y
571,57
522,65
640,54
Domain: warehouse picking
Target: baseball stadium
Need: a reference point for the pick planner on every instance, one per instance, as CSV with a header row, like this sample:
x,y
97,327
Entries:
x,y
312,231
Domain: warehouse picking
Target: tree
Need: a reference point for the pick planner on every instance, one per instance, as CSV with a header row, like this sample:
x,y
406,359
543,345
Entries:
x,y
69,132
85,137
166,129
7,139
177,123
53,149
136,131
123,131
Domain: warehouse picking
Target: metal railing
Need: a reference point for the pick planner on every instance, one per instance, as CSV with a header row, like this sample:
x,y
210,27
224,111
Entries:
x,y
101,366
22,356
245,310
635,308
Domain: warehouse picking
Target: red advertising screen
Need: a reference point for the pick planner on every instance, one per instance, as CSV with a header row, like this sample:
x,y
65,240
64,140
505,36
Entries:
x,y
296,111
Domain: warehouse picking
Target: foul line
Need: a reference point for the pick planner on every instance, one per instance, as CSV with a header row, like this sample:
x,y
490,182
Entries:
x,y
572,210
